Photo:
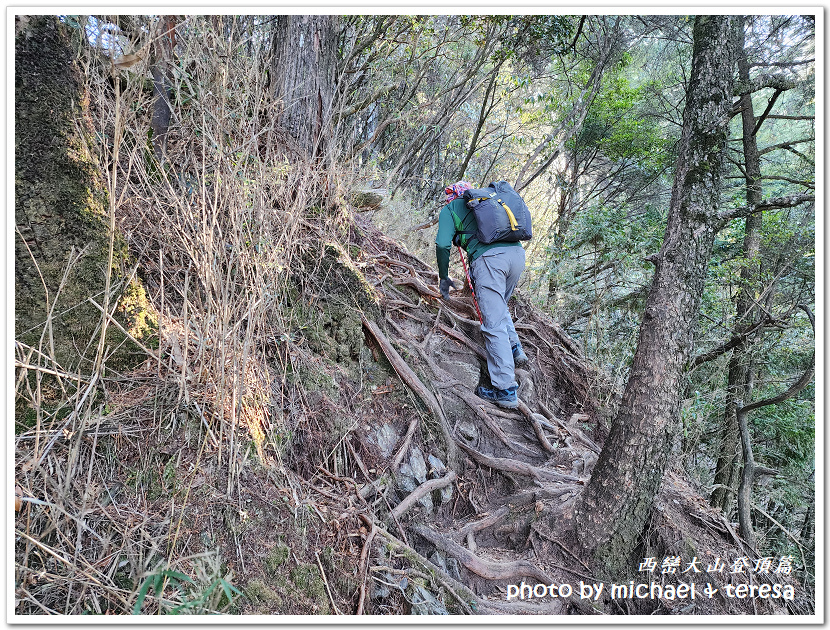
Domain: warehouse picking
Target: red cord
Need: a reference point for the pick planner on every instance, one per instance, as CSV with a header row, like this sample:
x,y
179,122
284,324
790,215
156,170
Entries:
x,y
470,282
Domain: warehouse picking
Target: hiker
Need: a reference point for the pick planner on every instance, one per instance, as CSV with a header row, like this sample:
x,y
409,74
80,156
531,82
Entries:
x,y
495,271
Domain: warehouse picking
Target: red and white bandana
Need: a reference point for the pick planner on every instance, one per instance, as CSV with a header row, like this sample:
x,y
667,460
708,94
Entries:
x,y
456,190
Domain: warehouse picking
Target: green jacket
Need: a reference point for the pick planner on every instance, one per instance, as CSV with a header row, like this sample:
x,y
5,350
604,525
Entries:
x,y
455,217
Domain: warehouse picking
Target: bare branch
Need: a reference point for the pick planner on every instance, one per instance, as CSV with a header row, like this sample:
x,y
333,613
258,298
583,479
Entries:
x,y
777,203
782,64
800,182
784,145
777,81
576,116
766,111
381,91
782,117
729,345
794,389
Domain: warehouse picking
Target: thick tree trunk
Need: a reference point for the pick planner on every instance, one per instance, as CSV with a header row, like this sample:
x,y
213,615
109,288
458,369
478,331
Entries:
x,y
62,231
727,469
615,507
60,198
305,60
162,84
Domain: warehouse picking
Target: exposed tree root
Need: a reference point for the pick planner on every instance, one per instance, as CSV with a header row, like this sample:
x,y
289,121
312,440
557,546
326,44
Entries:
x,y
570,428
477,405
515,466
411,379
364,566
537,427
485,568
459,336
424,489
407,440
460,591
483,523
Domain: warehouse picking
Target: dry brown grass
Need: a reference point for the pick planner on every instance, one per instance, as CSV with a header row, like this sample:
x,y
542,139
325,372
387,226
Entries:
x,y
216,227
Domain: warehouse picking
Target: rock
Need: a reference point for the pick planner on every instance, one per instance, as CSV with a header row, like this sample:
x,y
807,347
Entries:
x,y
381,590
413,473
445,494
468,429
418,465
425,603
387,438
527,390
426,502
453,568
462,364
438,560
405,478
436,467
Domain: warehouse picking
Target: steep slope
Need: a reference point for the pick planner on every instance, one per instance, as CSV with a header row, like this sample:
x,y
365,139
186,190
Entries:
x,y
372,480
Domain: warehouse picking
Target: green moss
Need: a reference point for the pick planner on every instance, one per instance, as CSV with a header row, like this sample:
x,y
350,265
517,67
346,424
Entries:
x,y
258,592
366,200
141,321
276,558
306,578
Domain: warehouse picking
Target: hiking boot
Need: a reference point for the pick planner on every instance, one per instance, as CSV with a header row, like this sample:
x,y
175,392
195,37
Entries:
x,y
519,356
505,398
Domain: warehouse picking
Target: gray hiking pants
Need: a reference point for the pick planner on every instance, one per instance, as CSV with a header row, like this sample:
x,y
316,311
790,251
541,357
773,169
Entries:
x,y
495,274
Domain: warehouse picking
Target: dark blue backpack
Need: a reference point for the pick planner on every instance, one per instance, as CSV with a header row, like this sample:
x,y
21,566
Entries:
x,y
501,214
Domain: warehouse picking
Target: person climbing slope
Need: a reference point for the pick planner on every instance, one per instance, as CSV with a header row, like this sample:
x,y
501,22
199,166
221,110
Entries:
x,y
495,269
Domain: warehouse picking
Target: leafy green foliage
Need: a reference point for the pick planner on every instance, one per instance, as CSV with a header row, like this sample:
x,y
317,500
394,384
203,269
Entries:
x,y
209,594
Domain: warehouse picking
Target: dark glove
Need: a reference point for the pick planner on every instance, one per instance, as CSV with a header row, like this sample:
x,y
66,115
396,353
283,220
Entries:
x,y
445,285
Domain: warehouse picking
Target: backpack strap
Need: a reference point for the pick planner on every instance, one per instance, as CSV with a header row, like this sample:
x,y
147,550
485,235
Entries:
x,y
514,225
460,234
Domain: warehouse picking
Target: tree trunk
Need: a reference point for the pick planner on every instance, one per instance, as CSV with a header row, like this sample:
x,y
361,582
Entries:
x,y
305,59
727,468
60,199
564,216
726,471
807,528
615,507
162,84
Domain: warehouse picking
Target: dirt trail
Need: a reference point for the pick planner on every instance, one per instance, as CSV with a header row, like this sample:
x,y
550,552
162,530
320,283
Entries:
x,y
516,470
493,510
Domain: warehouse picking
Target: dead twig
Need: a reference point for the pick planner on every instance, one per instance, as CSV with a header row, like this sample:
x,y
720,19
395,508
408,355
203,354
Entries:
x,y
326,582
364,566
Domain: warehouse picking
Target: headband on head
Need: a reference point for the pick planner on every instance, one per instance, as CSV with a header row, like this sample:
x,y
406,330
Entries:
x,y
456,190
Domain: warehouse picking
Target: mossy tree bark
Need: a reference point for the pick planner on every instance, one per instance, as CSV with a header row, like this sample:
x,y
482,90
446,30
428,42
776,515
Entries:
x,y
614,510
60,200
